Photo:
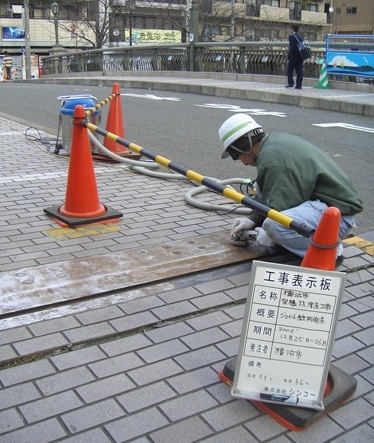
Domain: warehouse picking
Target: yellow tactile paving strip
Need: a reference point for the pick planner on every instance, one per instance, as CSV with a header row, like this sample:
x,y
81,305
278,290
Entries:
x,y
365,245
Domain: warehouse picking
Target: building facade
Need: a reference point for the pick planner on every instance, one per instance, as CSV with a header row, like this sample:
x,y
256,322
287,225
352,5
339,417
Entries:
x,y
351,16
86,24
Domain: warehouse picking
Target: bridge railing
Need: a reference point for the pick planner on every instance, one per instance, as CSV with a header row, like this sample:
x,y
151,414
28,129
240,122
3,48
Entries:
x,y
241,58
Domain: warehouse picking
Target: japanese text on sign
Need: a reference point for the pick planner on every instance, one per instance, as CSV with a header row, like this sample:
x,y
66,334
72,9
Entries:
x,y
288,328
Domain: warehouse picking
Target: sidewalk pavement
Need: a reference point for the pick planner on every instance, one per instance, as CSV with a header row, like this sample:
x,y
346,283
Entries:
x,y
116,332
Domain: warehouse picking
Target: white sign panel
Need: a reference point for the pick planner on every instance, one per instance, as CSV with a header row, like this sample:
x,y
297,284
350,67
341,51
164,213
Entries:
x,y
288,332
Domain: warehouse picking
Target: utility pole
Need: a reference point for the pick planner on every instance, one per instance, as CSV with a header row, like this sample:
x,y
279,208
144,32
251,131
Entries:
x,y
26,13
194,29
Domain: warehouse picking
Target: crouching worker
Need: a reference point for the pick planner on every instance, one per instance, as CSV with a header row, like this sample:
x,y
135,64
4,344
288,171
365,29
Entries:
x,y
294,177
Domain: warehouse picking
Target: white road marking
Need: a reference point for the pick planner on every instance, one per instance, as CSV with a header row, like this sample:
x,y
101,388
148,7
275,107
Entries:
x,y
344,125
152,97
234,108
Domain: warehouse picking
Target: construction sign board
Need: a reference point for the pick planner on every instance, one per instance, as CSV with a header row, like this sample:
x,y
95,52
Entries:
x,y
288,332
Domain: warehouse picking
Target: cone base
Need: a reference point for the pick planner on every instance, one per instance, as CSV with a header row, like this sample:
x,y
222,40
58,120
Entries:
x,y
338,388
109,215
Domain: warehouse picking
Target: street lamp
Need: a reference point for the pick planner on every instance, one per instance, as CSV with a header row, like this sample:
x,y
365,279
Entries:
x,y
129,7
55,9
116,35
332,10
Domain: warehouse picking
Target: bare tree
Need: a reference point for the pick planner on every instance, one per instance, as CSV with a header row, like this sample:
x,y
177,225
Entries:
x,y
90,21
93,21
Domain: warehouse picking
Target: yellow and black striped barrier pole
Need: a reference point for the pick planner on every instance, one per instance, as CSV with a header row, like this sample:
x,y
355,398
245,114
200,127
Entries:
x,y
301,228
90,111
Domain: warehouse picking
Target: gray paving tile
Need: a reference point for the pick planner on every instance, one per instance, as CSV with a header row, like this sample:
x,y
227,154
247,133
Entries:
x,y
362,388
236,312
174,310
367,354
366,336
115,365
153,372
265,428
92,415
190,381
162,351
238,294
199,358
145,397
169,332
179,295
233,329
40,344
18,394
7,353
346,327
186,431
56,325
48,407
361,290
86,333
323,431
345,346
63,381
214,286
361,434
365,320
43,432
353,413
134,321
104,388
368,375
23,373
77,357
363,304
208,320
13,335
238,435
351,364
187,405
205,338
230,414
212,300
230,347
98,315
93,436
126,344
10,420
136,425
141,304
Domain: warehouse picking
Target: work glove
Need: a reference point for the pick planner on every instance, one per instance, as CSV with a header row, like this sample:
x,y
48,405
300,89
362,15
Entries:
x,y
263,239
240,225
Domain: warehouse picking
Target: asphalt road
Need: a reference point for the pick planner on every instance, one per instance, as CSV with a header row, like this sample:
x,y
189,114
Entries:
x,y
184,128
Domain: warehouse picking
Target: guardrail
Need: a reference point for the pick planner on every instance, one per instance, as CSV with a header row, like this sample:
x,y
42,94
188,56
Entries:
x,y
242,58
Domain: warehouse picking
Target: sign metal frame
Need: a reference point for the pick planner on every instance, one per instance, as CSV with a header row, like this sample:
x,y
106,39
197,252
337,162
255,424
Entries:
x,y
288,332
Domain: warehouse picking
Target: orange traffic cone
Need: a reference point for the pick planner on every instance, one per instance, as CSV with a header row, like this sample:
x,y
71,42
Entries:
x,y
321,253
115,125
82,205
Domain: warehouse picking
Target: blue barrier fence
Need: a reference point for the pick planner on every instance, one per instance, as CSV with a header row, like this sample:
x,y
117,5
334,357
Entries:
x,y
350,55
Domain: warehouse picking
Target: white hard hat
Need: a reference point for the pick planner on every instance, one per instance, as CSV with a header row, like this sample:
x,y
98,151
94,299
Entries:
x,y
235,127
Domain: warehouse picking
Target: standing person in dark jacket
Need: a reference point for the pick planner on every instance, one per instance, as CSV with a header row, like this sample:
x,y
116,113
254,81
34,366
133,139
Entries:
x,y
295,62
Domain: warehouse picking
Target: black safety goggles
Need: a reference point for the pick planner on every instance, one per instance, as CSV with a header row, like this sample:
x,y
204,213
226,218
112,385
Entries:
x,y
241,145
